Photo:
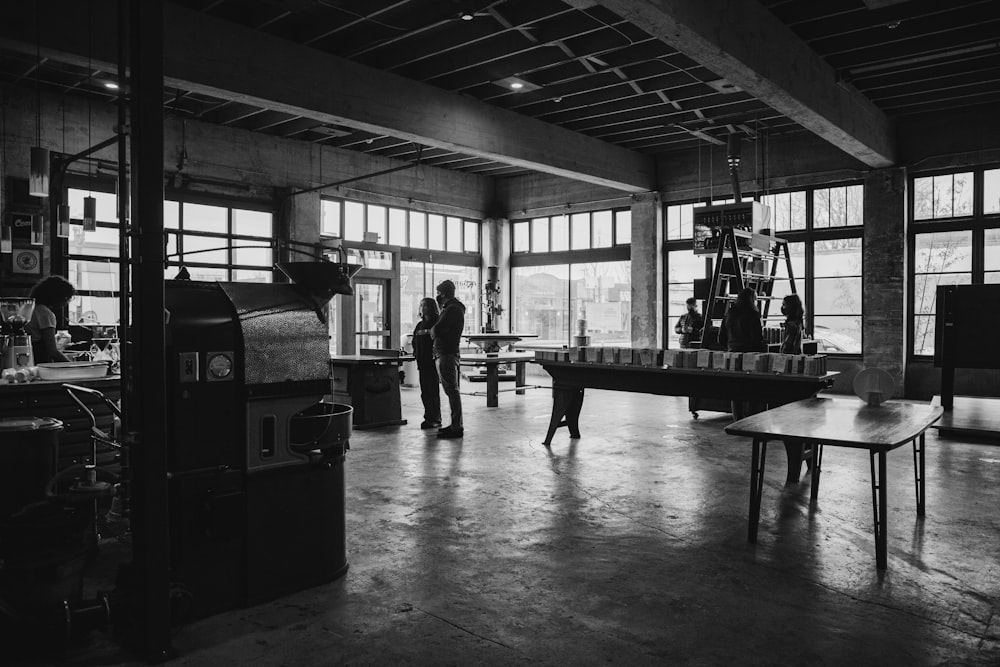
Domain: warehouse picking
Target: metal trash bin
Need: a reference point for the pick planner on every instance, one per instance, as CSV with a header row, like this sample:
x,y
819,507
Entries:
x,y
29,448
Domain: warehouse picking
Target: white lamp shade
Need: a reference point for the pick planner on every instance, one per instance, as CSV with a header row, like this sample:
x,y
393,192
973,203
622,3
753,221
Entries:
x,y
38,178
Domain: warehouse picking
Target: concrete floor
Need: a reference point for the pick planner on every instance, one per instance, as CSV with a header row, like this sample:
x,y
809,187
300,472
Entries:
x,y
629,547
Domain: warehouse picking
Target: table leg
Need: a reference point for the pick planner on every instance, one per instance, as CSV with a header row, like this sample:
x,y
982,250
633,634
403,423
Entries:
x,y
756,487
879,506
566,402
492,385
794,451
519,377
817,462
918,471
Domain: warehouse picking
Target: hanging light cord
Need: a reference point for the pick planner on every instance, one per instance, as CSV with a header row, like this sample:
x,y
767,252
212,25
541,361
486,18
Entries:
x,y
38,70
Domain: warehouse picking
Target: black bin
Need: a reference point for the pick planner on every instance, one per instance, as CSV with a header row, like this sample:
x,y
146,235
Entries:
x,y
29,446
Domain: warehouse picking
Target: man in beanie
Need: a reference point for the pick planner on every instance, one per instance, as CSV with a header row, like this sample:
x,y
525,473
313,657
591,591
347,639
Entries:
x,y
446,333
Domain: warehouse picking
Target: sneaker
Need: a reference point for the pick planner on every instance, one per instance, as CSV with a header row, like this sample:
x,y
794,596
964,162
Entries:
x,y
429,424
451,433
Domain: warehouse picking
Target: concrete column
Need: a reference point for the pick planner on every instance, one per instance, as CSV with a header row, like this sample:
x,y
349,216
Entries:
x,y
647,271
884,255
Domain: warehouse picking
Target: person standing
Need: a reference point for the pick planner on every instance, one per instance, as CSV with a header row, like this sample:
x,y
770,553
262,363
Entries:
x,y
742,332
791,337
447,333
51,295
690,324
423,352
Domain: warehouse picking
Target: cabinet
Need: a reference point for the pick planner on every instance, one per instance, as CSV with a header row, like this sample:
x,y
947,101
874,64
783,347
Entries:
x,y
742,259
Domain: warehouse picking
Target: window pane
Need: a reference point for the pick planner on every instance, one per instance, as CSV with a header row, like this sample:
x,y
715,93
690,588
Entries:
x,y
838,334
943,196
991,250
541,303
214,246
107,204
454,229
471,236
418,229
252,276
963,189
942,252
601,294
855,205
925,289
171,215
680,223
923,334
623,227
838,257
260,256
923,199
560,232
781,287
821,208
788,210
435,232
354,221
91,309
397,226
88,276
102,242
540,235
602,229
411,291
252,223
202,218
377,223
683,266
208,274
580,231
991,191
521,239
330,218
836,296
466,279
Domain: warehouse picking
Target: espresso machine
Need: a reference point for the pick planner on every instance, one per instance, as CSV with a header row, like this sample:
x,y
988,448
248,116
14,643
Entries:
x,y
15,341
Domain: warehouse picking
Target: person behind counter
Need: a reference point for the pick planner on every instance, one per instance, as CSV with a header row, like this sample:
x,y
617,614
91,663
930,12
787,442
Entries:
x,y
791,338
690,324
51,295
423,352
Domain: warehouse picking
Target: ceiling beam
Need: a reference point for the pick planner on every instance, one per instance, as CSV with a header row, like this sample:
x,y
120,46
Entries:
x,y
744,43
208,56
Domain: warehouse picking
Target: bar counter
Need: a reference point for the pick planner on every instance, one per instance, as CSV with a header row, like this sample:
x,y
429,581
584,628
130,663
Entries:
x,y
47,398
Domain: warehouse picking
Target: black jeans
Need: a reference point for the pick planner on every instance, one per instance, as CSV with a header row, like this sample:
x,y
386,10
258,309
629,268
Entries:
x,y
447,367
430,393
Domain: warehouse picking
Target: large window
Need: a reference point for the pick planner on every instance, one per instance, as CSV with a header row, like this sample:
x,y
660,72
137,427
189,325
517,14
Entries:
x,y
823,228
419,280
577,231
358,221
954,240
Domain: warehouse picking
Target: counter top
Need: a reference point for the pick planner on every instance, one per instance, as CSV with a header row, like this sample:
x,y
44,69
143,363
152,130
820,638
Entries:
x,y
109,381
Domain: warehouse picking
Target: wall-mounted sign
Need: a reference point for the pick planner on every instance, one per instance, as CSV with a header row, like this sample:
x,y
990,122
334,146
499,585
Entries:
x,y
27,261
20,228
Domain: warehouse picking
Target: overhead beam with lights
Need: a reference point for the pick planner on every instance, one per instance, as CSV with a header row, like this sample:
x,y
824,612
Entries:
x,y
224,60
746,44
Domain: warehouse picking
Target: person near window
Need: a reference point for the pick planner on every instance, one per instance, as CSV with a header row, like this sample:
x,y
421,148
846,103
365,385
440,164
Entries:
x,y
447,333
423,352
742,331
51,295
791,337
690,324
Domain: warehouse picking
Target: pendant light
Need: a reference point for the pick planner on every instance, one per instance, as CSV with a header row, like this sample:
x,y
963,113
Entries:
x,y
89,214
37,229
38,174
6,241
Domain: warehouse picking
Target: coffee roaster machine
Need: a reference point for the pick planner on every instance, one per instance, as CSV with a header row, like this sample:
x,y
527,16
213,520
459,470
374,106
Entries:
x,y
256,457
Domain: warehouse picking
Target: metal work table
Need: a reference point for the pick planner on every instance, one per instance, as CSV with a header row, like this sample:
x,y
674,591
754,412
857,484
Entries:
x,y
821,422
492,362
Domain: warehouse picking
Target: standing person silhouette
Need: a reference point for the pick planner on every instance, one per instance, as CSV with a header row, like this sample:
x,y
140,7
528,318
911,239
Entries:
x,y
447,333
423,352
742,331
690,324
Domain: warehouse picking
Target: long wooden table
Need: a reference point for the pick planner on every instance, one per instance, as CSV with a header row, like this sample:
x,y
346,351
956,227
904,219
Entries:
x,y
570,378
820,422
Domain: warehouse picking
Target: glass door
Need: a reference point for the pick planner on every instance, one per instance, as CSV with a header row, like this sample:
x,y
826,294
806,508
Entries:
x,y
371,308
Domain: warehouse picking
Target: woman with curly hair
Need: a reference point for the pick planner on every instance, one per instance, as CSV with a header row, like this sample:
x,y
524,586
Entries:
x,y
51,295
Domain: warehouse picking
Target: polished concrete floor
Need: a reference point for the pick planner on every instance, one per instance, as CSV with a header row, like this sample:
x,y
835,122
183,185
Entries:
x,y
628,546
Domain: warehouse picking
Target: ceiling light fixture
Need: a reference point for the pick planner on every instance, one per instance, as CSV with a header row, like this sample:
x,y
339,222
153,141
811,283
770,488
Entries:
x,y
38,164
111,85
466,16
516,84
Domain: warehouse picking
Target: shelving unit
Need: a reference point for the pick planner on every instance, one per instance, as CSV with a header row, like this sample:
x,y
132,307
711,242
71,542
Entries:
x,y
743,258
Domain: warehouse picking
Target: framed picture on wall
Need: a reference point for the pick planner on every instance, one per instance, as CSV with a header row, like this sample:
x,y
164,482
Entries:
x,y
27,261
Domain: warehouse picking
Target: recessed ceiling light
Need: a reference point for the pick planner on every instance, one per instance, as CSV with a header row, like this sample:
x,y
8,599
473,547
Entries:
x,y
466,16
723,86
111,85
516,84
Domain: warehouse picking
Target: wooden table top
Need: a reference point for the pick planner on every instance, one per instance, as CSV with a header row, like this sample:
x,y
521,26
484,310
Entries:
x,y
847,423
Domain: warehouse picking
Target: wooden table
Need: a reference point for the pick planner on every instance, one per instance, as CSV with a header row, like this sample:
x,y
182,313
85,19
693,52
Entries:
x,y
820,422
492,362
570,378
492,342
